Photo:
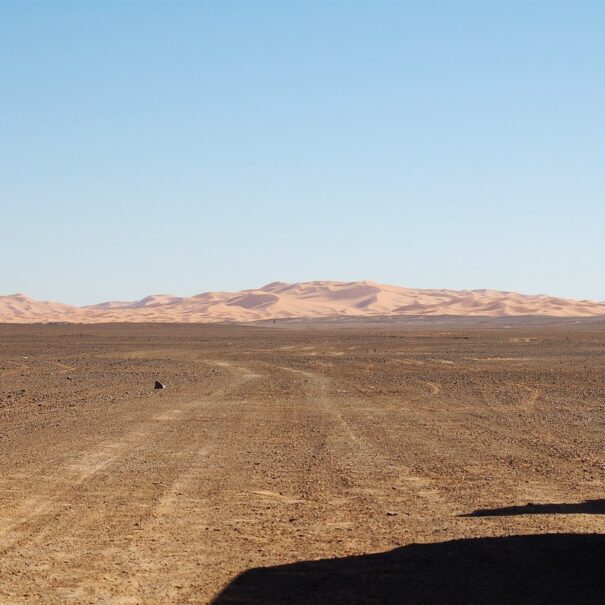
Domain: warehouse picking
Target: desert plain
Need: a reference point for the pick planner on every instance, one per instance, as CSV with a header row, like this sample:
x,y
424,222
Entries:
x,y
436,461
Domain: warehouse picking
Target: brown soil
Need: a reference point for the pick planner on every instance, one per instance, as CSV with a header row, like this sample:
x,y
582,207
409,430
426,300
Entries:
x,y
376,464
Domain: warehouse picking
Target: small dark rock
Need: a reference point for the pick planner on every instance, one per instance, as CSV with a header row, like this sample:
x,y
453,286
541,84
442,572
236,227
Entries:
x,y
159,385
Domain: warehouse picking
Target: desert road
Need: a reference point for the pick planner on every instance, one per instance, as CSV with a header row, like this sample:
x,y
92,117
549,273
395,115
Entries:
x,y
301,465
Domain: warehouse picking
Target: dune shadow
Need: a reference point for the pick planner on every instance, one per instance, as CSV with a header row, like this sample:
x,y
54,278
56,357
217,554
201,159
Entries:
x,y
588,507
550,568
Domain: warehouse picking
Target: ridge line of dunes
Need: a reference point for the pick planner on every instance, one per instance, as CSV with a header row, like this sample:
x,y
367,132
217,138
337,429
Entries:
x,y
316,299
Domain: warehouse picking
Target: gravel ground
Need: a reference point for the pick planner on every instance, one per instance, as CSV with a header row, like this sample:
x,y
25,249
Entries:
x,y
370,463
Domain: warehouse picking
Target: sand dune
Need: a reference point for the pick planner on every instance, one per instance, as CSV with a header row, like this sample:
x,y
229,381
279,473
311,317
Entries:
x,y
317,299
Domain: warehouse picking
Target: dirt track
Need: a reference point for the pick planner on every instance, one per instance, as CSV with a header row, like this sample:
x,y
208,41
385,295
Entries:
x,y
271,447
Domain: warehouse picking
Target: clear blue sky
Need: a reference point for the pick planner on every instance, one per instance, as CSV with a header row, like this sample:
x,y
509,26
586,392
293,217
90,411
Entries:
x,y
189,146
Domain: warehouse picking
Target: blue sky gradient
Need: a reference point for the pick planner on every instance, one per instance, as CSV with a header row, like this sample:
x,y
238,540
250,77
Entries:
x,y
189,146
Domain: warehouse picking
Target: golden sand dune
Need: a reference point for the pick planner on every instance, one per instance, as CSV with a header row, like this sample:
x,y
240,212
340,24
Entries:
x,y
317,299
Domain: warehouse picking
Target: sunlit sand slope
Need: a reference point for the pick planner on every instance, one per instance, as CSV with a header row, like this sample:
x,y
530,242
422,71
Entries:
x,y
317,299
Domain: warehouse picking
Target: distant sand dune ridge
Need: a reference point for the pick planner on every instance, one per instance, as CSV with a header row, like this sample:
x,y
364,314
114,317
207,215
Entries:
x,y
316,299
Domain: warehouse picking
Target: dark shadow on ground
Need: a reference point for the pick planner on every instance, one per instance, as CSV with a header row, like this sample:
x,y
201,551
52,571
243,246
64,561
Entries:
x,y
588,507
536,569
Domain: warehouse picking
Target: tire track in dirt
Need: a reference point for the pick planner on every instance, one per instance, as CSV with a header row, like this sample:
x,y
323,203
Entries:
x,y
182,512
63,368
21,367
435,388
533,394
64,513
366,456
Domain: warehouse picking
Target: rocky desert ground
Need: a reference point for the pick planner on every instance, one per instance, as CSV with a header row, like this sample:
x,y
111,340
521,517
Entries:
x,y
378,462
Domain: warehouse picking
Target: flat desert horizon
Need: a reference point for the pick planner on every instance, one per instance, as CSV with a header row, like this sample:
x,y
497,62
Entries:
x,y
302,300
